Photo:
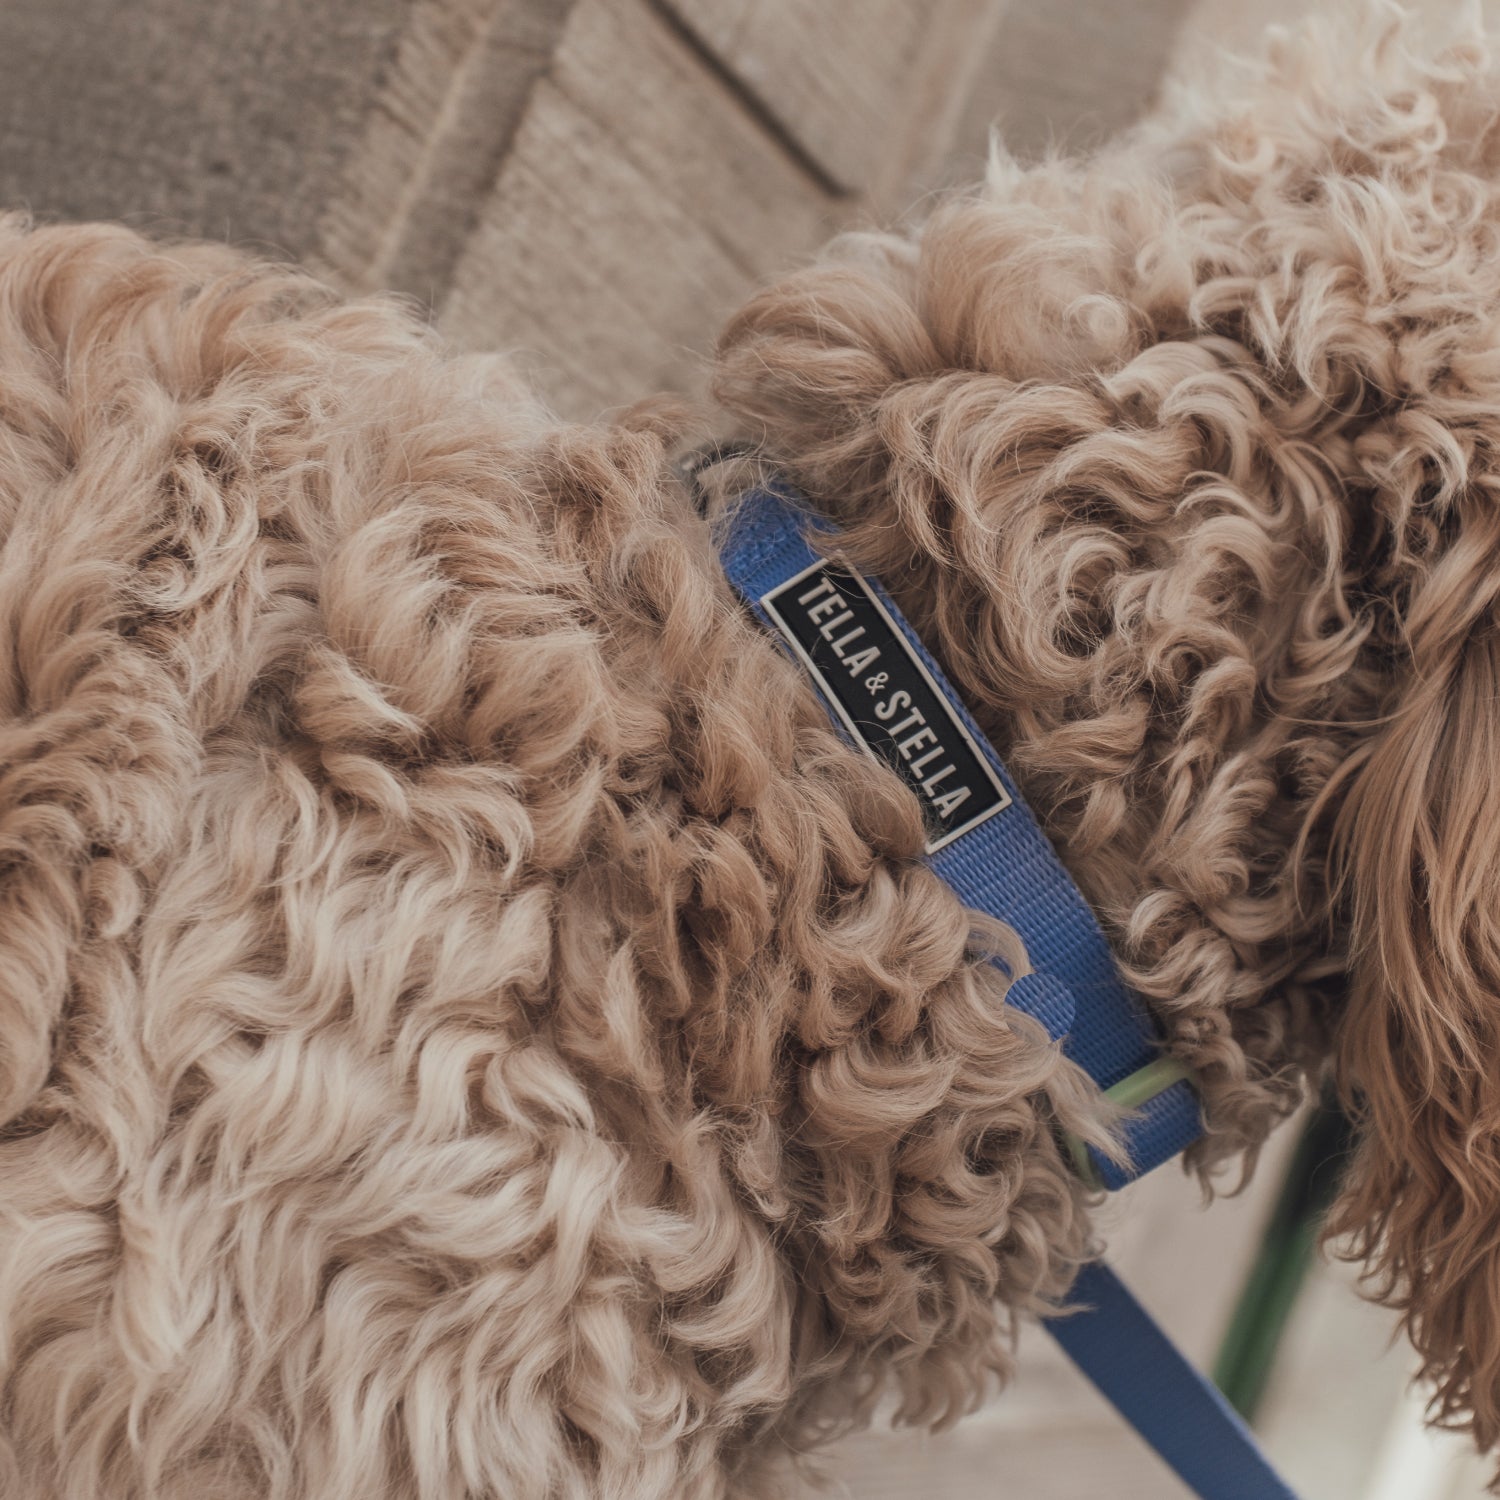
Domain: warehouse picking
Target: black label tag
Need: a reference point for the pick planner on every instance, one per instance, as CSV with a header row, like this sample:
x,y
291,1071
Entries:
x,y
886,697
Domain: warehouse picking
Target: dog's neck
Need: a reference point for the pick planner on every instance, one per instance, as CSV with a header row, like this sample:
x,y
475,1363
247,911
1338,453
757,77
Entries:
x,y
1159,744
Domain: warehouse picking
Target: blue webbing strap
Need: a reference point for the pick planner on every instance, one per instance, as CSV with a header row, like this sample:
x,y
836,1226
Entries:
x,y
1181,1413
1004,865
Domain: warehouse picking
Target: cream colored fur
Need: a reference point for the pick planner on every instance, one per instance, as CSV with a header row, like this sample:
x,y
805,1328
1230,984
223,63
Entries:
x,y
469,1028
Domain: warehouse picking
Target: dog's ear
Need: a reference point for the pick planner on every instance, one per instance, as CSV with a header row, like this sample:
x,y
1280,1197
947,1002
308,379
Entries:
x,y
1417,849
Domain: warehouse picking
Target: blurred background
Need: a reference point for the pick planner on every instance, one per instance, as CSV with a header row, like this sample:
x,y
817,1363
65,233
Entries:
x,y
592,186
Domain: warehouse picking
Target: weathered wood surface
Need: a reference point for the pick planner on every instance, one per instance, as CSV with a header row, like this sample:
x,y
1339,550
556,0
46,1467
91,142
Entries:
x,y
638,205
592,184
224,120
1069,74
442,114
869,91
672,156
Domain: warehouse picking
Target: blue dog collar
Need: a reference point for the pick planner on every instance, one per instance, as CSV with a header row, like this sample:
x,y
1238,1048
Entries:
x,y
890,698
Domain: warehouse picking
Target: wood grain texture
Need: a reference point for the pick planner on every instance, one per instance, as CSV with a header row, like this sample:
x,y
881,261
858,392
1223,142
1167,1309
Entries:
x,y
1070,74
637,206
594,184
230,122
872,90
456,87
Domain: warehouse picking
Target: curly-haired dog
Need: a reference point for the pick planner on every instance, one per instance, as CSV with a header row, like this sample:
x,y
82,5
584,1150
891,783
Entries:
x,y
1188,460
469,1027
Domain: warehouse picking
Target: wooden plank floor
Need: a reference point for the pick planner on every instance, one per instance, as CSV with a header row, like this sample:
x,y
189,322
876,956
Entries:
x,y
594,185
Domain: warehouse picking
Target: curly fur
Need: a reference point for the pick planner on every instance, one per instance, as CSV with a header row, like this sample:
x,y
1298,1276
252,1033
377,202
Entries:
x,y
468,1027
1187,458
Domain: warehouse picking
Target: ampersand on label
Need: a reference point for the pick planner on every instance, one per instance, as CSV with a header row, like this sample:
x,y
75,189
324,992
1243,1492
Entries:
x,y
878,681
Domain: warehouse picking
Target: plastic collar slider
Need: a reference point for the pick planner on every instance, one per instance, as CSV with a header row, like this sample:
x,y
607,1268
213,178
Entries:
x,y
1132,1091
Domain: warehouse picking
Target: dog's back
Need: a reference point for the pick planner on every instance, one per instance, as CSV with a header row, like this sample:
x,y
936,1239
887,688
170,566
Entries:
x,y
469,1026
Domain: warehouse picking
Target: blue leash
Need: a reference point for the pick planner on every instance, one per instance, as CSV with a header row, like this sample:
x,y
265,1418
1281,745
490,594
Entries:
x,y
891,699
1195,1431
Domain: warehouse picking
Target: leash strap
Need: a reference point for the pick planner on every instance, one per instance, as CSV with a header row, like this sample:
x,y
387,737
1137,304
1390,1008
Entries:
x,y
1181,1413
890,699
